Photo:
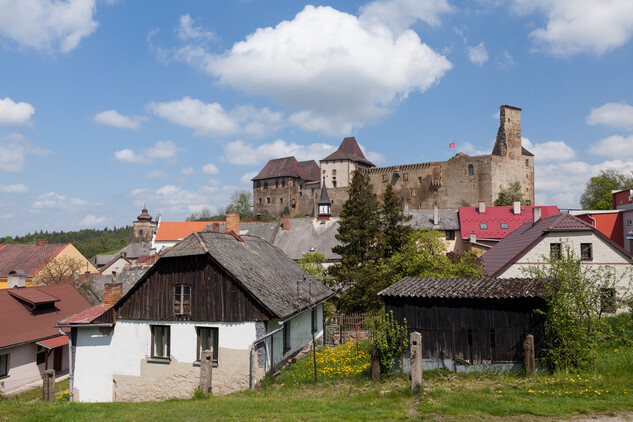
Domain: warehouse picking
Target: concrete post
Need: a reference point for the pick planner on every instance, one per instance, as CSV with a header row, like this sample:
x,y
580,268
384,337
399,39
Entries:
x,y
48,387
528,349
375,363
415,344
206,369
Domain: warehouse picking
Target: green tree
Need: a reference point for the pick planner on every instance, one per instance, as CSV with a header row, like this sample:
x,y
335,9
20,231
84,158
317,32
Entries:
x,y
597,194
242,203
313,263
510,195
395,232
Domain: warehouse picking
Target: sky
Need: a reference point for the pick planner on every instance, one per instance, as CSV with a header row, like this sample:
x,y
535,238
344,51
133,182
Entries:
x,y
109,105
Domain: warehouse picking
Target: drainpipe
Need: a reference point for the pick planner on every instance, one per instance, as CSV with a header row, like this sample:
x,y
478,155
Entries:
x,y
254,344
70,362
593,219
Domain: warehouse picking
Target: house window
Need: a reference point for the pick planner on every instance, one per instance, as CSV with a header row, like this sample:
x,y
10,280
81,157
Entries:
x,y
554,251
449,234
286,337
471,170
504,226
40,358
160,341
207,337
4,365
586,251
315,322
182,299
607,299
405,176
385,178
483,226
412,192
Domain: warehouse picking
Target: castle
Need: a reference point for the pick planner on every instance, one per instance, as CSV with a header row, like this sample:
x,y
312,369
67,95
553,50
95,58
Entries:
x,y
461,181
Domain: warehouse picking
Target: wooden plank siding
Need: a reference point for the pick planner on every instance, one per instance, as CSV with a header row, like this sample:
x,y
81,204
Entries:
x,y
478,330
215,295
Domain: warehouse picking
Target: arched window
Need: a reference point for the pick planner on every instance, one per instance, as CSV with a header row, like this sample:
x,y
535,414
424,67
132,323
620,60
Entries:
x,y
471,169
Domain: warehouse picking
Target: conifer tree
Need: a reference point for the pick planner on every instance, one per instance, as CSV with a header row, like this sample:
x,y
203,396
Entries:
x,y
396,234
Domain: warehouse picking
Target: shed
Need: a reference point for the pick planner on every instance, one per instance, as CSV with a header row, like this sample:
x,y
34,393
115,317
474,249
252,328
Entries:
x,y
469,321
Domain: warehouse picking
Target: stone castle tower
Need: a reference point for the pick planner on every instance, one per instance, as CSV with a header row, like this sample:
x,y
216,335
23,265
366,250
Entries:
x,y
144,227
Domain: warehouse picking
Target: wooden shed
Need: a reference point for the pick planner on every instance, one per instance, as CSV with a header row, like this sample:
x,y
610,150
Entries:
x,y
469,321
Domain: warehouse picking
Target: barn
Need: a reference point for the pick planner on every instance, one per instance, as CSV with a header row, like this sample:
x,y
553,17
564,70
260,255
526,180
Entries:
x,y
469,324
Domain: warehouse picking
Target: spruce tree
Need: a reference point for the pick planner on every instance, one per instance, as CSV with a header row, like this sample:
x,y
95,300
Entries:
x,y
396,233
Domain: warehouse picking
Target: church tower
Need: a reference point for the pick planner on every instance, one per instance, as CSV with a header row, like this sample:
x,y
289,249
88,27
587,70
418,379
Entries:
x,y
144,227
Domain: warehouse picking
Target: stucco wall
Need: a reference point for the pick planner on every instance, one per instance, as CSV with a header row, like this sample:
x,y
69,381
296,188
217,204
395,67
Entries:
x,y
23,368
300,335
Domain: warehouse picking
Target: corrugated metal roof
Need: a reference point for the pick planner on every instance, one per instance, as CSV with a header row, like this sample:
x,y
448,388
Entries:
x,y
470,220
168,230
86,316
465,288
28,258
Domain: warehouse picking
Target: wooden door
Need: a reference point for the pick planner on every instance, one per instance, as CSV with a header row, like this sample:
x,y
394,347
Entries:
x,y
57,358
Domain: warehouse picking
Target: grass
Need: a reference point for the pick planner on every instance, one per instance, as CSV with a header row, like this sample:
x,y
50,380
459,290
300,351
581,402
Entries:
x,y
36,394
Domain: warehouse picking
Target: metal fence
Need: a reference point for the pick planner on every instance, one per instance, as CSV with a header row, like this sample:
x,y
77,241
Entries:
x,y
342,328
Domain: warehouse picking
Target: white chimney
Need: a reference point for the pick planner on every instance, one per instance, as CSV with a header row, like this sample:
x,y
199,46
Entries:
x,y
473,237
16,279
517,207
482,207
436,215
536,214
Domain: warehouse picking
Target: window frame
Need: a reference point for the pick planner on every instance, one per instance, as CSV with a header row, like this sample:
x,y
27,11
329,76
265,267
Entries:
x,y
385,178
314,320
4,365
405,177
471,170
586,251
40,356
286,337
449,234
413,192
555,250
165,336
184,307
504,226
213,339
483,226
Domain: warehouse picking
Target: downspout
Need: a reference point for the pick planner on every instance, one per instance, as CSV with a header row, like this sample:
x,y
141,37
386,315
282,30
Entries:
x,y
594,220
255,343
70,362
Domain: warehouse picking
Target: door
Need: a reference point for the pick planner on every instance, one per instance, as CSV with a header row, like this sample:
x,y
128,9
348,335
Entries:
x,y
57,358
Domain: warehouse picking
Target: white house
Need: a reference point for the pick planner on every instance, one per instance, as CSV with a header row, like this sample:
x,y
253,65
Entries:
x,y
239,295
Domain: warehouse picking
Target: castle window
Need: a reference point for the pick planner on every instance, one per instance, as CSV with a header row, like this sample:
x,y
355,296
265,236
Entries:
x,y
333,183
405,176
300,194
260,201
333,172
420,180
268,200
283,183
385,178
413,192
527,162
257,184
281,200
265,185
471,170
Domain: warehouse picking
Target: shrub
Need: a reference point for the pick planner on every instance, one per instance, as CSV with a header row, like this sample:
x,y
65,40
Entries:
x,y
390,338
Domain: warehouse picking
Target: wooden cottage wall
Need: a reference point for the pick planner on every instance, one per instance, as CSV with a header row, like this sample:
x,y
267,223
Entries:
x,y
215,296
479,330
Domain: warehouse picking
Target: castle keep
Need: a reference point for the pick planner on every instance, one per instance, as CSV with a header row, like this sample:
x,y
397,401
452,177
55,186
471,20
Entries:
x,y
461,181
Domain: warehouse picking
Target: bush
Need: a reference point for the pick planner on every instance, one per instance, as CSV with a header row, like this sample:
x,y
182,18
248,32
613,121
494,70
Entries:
x,y
390,338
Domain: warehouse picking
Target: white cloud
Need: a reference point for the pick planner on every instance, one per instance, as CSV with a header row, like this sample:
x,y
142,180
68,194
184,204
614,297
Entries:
x,y
91,220
113,118
506,60
616,146
12,113
580,26
47,25
187,31
210,169
157,175
178,203
246,177
399,15
162,150
478,54
210,119
18,188
55,201
617,115
470,149
351,74
549,151
188,171
14,148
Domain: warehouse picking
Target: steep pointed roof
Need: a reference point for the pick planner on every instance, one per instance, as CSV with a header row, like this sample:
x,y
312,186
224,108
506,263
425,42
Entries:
x,y
289,167
349,150
324,199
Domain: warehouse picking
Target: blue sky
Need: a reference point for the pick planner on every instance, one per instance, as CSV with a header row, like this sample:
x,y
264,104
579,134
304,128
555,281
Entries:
x,y
109,105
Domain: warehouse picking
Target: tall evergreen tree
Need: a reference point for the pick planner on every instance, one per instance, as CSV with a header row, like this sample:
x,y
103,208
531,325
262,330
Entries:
x,y
395,232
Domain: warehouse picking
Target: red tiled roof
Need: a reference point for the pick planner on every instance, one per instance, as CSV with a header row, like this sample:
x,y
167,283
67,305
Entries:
x,y
470,220
28,258
349,150
289,167
86,316
54,342
180,229
18,325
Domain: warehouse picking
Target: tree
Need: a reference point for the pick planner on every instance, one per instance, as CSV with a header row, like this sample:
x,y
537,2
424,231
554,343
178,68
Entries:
x,y
61,269
597,194
510,195
313,263
395,232
242,203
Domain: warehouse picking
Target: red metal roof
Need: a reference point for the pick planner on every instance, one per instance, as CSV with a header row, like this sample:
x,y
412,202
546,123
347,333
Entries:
x,y
18,325
33,296
54,342
28,258
470,220
86,316
180,229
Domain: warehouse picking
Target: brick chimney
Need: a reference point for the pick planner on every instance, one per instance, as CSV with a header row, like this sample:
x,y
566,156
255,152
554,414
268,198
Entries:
x,y
482,207
215,227
286,222
233,223
42,242
517,207
112,293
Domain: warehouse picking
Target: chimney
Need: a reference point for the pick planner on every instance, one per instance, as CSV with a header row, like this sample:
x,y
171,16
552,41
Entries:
x,y
42,242
482,207
16,279
536,214
286,222
215,227
233,223
473,237
436,215
517,207
112,293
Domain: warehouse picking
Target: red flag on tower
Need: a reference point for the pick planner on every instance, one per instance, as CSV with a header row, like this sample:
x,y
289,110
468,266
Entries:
x,y
451,145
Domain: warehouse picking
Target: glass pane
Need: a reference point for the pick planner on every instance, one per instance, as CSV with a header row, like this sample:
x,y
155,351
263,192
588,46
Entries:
x,y
186,300
177,299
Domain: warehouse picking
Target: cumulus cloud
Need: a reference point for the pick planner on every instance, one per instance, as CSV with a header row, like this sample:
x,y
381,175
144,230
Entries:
x,y
14,149
398,15
349,75
56,201
549,151
617,115
180,203
162,150
91,220
580,26
616,146
188,171
157,175
47,25
114,119
470,149
246,177
478,54
210,169
17,188
188,31
12,113
210,119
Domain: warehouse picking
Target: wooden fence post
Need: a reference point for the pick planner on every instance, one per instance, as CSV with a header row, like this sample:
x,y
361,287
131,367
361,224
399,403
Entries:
x,y
528,355
48,390
415,345
375,363
206,370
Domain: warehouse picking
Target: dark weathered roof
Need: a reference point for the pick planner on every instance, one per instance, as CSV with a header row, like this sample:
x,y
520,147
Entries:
x,y
93,288
324,199
307,233
465,288
289,167
28,258
18,325
265,230
423,219
526,152
349,150
132,251
267,273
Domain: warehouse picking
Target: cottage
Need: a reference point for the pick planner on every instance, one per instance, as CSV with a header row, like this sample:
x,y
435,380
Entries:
x,y
238,294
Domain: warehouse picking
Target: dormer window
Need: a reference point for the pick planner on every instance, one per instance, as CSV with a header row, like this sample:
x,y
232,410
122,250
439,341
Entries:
x,y
504,226
483,226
